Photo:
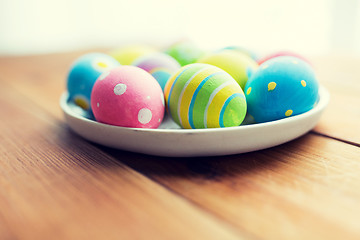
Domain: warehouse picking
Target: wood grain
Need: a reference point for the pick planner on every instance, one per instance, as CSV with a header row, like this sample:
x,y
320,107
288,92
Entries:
x,y
305,189
299,190
55,185
341,76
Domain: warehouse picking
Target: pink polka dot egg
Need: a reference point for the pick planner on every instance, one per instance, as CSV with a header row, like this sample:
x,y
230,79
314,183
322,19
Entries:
x,y
128,96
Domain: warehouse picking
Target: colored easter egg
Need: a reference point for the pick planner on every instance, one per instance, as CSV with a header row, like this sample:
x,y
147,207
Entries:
x,y
235,63
128,96
126,55
204,96
83,74
160,65
279,54
246,51
281,87
185,52
162,75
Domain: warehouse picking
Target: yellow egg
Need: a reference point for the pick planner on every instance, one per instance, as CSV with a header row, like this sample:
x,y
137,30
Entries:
x,y
128,54
237,64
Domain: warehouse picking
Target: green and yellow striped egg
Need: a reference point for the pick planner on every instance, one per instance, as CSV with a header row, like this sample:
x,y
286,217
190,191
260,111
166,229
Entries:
x,y
204,96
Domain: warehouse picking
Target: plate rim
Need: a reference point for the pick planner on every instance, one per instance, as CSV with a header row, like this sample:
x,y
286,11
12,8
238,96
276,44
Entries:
x,y
324,98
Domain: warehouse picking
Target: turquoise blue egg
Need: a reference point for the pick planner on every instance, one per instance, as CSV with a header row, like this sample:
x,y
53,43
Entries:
x,y
82,75
281,87
162,75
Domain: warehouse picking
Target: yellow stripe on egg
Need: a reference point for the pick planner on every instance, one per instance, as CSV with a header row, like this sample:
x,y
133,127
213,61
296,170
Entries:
x,y
188,92
169,84
213,110
211,98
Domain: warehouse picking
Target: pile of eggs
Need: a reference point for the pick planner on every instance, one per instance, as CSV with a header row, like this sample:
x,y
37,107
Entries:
x,y
135,86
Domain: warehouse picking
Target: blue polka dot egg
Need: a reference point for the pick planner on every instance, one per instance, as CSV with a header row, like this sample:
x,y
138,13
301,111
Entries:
x,y
83,74
281,87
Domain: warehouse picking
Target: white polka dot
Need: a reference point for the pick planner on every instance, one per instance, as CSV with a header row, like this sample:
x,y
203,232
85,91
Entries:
x,y
98,104
159,120
148,97
119,89
104,75
144,116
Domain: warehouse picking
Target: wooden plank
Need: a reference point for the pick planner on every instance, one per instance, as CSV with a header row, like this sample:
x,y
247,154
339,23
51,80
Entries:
x,y
54,185
305,189
340,75
41,78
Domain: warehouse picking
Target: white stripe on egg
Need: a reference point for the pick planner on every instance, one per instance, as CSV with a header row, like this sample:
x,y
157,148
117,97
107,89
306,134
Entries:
x,y
218,89
184,88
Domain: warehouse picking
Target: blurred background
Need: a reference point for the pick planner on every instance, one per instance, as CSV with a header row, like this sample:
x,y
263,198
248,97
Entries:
x,y
307,27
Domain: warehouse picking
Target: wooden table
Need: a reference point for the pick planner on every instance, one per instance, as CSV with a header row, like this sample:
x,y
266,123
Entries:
x,y
56,185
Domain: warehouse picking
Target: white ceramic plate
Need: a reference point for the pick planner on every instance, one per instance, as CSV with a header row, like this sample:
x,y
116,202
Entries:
x,y
171,141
